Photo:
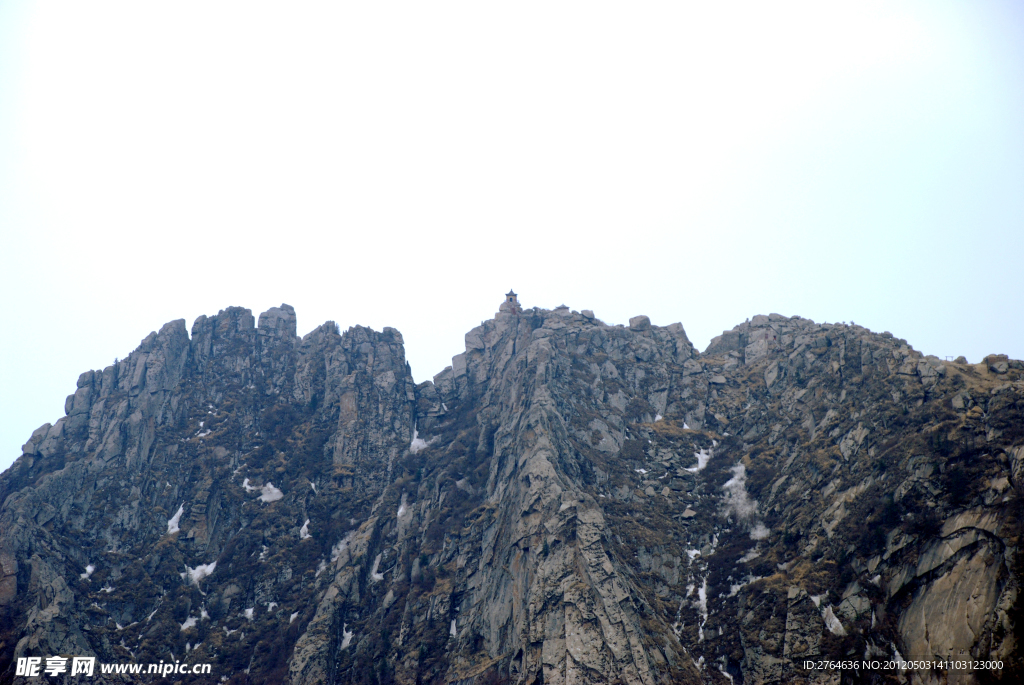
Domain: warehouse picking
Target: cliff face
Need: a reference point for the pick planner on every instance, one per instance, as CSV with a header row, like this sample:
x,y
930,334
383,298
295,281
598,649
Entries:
x,y
570,502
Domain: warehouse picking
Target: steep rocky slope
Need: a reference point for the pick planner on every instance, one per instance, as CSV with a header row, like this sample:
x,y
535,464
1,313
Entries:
x,y
569,502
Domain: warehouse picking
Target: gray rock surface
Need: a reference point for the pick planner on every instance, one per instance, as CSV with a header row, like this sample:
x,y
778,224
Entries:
x,y
569,502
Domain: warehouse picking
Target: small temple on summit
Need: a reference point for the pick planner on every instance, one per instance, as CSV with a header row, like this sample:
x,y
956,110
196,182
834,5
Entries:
x,y
510,303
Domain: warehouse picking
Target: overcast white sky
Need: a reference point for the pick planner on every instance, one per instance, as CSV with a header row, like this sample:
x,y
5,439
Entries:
x,y
405,164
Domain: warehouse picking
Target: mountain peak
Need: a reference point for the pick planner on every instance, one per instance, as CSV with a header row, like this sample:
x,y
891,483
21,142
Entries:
x,y
569,501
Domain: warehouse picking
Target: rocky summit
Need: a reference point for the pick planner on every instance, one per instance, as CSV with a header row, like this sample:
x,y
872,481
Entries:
x,y
568,502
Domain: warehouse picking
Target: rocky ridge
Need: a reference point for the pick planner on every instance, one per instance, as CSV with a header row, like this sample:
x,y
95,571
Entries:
x,y
568,502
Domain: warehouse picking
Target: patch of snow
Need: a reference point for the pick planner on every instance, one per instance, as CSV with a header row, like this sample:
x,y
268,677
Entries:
x,y
737,501
417,443
203,614
346,636
263,554
877,580
248,613
194,575
685,427
760,531
270,493
314,487
721,669
451,631
293,617
832,623
641,471
714,443
271,607
304,531
189,623
150,617
200,424
662,475
119,626
693,554
401,507
702,606
702,460
248,488
88,572
172,523
106,588
377,577
733,589
444,406
752,554
321,568
657,417
816,599
203,434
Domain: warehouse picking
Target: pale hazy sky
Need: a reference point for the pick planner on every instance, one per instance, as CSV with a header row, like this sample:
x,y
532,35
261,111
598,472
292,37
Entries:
x,y
405,164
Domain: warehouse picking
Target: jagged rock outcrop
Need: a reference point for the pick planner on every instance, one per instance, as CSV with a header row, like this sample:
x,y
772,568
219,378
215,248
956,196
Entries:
x,y
569,502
